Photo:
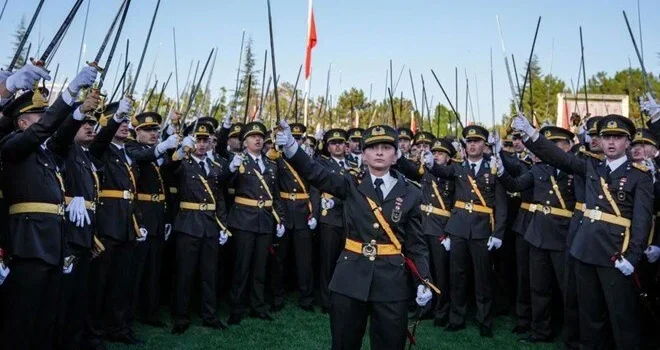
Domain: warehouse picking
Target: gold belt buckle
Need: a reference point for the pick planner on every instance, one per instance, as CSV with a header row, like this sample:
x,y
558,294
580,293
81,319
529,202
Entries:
x,y
92,206
292,196
468,207
126,194
546,210
532,208
60,209
370,250
203,206
260,204
155,197
595,215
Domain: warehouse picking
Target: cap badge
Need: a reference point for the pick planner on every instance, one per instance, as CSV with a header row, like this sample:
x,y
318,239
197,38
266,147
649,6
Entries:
x,y
378,131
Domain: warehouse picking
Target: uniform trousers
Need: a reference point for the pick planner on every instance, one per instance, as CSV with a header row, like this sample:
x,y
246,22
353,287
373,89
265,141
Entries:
x,y
249,271
439,258
332,240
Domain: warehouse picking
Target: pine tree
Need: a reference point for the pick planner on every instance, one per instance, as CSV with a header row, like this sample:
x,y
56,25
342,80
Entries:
x,y
18,36
251,74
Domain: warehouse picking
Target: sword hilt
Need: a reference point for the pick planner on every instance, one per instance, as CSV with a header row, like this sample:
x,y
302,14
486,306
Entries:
x,y
96,65
39,63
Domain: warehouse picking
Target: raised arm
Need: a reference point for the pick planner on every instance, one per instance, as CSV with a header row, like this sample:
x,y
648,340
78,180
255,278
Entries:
x,y
549,152
517,184
409,169
317,175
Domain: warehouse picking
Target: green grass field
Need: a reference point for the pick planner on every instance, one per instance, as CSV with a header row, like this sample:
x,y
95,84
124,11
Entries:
x,y
296,329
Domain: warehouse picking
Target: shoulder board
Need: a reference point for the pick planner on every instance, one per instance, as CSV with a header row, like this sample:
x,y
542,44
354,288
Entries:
x,y
323,156
271,160
414,183
526,161
641,167
216,164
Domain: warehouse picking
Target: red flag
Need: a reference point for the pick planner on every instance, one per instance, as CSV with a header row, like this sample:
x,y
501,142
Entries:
x,y
311,42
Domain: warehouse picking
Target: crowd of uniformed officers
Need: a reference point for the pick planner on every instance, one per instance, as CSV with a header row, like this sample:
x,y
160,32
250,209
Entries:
x,y
107,214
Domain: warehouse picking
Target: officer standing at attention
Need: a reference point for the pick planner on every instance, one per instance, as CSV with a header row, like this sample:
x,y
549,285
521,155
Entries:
x,y
384,224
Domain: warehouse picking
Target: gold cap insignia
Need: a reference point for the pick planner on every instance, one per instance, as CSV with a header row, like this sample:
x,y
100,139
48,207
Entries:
x,y
638,135
612,124
472,132
336,134
378,131
202,128
296,129
357,133
148,120
255,127
548,133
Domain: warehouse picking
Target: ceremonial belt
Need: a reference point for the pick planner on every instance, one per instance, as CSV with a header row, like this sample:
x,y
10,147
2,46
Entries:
x,y
117,194
294,196
624,221
555,187
197,206
36,207
433,210
476,190
265,185
300,183
580,206
146,197
136,227
437,194
89,205
160,182
470,207
253,202
174,190
546,209
371,249
217,220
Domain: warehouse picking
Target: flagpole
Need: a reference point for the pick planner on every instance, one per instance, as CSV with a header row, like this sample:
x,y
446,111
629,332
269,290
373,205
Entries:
x,y
307,52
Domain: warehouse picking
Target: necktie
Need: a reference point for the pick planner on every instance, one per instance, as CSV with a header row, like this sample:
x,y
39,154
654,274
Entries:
x,y
261,167
608,170
474,169
379,192
341,163
203,165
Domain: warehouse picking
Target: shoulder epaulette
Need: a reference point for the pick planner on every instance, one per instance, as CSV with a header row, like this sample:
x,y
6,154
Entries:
x,y
641,167
323,156
584,151
271,160
526,161
414,183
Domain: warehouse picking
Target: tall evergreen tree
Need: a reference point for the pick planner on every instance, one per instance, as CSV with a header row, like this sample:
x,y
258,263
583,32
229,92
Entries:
x,y
18,36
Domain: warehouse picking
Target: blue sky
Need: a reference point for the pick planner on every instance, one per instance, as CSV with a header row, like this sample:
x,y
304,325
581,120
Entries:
x,y
359,37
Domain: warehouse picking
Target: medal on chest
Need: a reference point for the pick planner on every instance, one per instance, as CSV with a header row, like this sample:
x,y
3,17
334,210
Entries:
x,y
396,213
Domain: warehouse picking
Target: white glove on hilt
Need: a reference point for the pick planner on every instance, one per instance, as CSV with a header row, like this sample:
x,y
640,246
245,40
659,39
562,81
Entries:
x,y
4,74
311,222
285,139
521,123
280,231
143,235
652,253
424,295
624,266
77,212
651,108
68,264
494,243
4,272
446,242
223,238
428,159
124,109
170,142
168,231
236,162
226,121
84,79
25,78
500,167
319,134
327,203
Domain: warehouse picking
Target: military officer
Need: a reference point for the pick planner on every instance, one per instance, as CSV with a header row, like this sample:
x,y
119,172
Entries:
x,y
150,156
405,140
552,208
33,188
370,281
354,151
200,226
437,203
257,212
476,227
609,243
331,220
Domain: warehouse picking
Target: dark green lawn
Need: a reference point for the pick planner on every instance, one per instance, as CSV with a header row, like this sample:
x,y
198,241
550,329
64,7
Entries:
x,y
296,329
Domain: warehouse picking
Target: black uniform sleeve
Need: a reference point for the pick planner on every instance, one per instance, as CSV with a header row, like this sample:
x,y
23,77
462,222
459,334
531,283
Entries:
x,y
641,221
409,169
517,184
549,153
501,210
61,142
23,144
141,154
103,139
414,245
443,171
221,146
320,177
511,163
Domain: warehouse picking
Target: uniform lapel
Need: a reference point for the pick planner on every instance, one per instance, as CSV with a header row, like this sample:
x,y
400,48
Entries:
x,y
398,190
366,187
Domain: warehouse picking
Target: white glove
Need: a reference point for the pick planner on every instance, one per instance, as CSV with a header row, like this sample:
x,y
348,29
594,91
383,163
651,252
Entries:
x,y
327,203
424,295
224,237
226,121
4,74
446,243
168,231
143,234
311,222
428,159
624,266
124,109
84,79
169,129
236,162
25,78
493,162
521,123
494,243
66,269
285,139
4,272
188,141
651,107
652,253
77,212
319,134
280,230
170,143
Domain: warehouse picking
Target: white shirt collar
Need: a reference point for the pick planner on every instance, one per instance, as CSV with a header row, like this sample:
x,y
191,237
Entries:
x,y
388,183
339,160
478,163
614,164
120,146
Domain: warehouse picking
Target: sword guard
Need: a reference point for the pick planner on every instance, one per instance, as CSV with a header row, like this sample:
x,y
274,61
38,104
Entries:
x,y
96,65
39,63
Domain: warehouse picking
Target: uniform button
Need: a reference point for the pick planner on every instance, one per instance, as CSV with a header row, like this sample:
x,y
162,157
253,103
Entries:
x,y
547,202
432,195
294,190
345,258
597,208
376,225
622,234
551,192
372,258
600,196
472,191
